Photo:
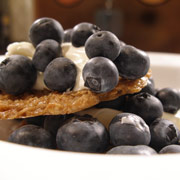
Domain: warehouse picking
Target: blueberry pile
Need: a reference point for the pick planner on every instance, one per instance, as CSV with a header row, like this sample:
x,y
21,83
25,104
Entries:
x,y
140,129
109,58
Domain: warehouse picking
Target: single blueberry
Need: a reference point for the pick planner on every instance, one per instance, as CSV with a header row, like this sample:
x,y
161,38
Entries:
x,y
138,149
146,106
100,74
81,33
163,133
128,129
60,74
67,35
132,63
103,43
173,148
170,99
17,74
87,135
46,28
32,135
46,51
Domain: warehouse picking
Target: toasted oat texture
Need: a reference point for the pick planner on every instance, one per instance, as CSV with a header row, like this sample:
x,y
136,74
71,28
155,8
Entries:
x,y
38,103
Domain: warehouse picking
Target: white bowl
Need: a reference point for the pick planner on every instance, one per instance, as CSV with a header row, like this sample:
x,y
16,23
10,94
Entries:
x,y
28,163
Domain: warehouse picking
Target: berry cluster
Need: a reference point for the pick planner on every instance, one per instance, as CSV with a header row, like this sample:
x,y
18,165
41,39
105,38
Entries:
x,y
109,58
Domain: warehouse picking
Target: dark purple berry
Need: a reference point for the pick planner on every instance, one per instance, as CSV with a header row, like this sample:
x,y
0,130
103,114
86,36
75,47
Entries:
x,y
46,28
170,99
173,148
128,129
46,51
132,63
103,43
17,74
67,35
100,74
81,33
60,74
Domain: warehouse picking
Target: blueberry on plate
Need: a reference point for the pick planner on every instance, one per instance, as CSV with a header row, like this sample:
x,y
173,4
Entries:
x,y
87,135
60,74
103,43
46,28
100,74
138,149
170,99
173,148
146,106
17,74
67,35
46,51
32,135
128,129
132,63
81,33
163,133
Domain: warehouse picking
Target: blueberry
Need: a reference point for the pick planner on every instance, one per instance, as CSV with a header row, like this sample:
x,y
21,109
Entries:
x,y
128,129
67,35
32,135
170,99
100,74
173,148
87,135
146,106
149,88
46,51
60,74
132,63
138,149
81,33
45,28
17,74
163,133
103,43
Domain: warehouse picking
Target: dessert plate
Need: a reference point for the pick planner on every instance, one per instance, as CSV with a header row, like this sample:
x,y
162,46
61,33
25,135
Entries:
x,y
27,163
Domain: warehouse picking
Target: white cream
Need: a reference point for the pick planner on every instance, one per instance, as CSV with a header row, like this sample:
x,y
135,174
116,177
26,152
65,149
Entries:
x,y
77,55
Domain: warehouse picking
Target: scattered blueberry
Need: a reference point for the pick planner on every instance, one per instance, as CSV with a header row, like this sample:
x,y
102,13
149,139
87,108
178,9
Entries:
x,y
103,43
173,148
132,63
87,135
170,99
163,133
138,149
128,129
67,35
17,74
145,105
46,51
60,74
32,135
100,74
81,33
46,28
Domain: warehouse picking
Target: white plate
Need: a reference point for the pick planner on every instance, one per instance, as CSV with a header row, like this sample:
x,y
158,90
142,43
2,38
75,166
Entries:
x,y
28,163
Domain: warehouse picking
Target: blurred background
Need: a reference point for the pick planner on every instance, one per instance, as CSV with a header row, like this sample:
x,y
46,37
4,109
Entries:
x,y
151,25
